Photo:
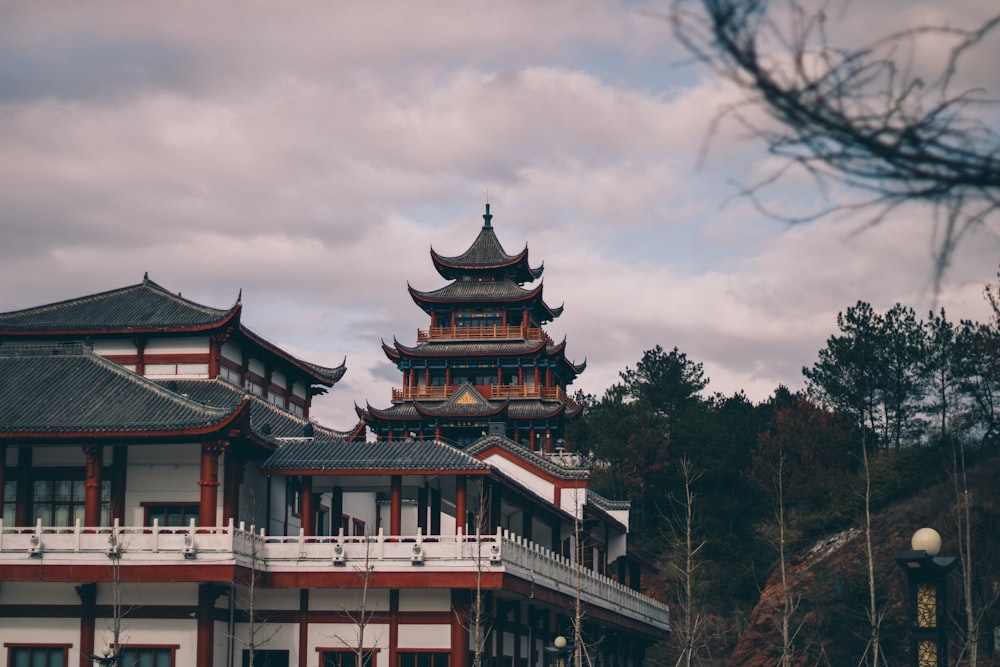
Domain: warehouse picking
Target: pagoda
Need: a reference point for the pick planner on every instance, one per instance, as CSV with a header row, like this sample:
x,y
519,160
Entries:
x,y
485,365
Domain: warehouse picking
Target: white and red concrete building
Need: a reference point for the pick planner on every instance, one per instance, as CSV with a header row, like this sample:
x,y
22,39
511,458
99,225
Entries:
x,y
160,473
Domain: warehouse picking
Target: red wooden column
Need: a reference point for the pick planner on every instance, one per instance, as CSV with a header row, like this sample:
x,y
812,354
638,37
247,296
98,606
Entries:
x,y
92,485
459,628
308,513
88,622
209,482
396,505
215,356
205,616
140,356
460,504
304,627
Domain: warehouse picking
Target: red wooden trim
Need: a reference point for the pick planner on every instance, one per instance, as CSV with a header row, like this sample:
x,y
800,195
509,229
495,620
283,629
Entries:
x,y
373,472
101,573
10,646
350,579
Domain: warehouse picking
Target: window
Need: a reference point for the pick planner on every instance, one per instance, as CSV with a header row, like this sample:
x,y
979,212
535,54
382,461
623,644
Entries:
x,y
359,527
37,656
60,502
293,495
262,658
9,503
345,658
423,659
147,656
171,514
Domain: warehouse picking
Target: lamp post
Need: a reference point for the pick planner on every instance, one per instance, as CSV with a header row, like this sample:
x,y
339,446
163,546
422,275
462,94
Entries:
x,y
556,654
926,597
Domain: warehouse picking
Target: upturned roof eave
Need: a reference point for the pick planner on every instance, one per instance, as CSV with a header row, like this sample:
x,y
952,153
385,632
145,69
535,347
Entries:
x,y
326,376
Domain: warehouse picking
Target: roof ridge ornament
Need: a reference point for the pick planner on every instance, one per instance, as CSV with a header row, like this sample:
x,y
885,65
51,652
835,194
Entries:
x,y
487,217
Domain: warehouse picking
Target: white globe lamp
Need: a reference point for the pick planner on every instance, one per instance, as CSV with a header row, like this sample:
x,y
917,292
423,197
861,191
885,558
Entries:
x,y
927,540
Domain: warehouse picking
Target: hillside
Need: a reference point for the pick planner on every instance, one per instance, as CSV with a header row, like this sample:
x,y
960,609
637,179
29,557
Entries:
x,y
830,584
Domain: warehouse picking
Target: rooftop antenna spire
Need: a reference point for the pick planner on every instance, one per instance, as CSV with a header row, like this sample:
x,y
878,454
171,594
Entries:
x,y
487,217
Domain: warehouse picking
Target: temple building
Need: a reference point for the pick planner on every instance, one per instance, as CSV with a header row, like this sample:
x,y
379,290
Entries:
x,y
484,365
169,502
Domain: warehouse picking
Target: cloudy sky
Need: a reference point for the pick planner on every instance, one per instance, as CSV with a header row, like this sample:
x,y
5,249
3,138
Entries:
x,y
310,154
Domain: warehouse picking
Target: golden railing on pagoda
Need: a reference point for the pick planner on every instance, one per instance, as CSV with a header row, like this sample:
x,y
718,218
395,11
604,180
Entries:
x,y
495,391
480,333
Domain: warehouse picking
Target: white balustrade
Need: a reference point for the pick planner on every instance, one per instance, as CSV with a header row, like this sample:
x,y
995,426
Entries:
x,y
170,545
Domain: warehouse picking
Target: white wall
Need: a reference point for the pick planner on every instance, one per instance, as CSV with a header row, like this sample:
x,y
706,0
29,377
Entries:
x,y
161,473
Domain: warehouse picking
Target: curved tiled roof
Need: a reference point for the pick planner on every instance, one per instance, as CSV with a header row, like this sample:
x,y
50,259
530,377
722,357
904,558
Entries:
x,y
66,388
268,421
486,255
138,308
471,348
412,456
519,409
321,374
486,291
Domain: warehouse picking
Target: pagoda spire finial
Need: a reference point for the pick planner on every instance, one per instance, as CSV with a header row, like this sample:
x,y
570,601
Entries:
x,y
487,217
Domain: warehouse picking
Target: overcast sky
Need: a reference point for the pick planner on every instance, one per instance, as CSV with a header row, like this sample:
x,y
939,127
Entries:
x,y
310,154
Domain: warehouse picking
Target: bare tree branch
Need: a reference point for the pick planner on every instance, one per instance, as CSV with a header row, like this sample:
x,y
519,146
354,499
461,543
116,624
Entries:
x,y
861,118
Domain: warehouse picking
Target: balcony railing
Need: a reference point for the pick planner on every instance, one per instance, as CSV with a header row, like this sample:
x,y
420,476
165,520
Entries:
x,y
157,545
488,391
495,332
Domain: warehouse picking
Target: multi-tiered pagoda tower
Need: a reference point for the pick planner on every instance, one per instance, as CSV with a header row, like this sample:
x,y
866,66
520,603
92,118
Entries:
x,y
485,365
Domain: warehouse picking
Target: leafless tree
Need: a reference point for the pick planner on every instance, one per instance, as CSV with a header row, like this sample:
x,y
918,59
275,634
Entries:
x,y
690,629
259,631
875,615
866,118
478,627
361,615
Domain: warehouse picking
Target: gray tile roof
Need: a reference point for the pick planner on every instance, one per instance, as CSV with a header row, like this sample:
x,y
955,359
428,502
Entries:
x,y
488,290
550,464
146,306
267,420
408,455
66,388
486,254
475,347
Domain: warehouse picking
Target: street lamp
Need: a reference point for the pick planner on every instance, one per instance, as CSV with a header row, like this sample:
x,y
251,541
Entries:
x,y
558,651
926,598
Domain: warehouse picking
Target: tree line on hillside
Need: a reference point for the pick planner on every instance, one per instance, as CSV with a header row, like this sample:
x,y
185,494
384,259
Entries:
x,y
892,403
